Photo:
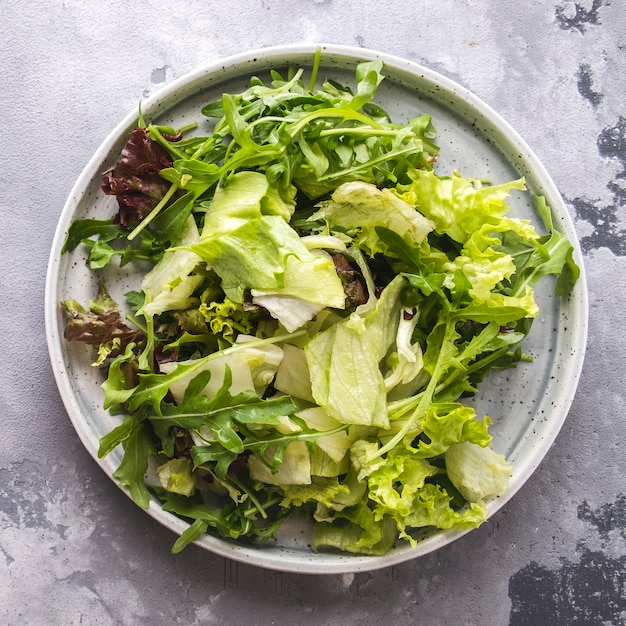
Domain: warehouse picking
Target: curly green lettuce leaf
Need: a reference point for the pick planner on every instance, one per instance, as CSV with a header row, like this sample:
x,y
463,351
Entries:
x,y
483,261
325,491
433,507
404,488
358,209
226,319
458,206
356,530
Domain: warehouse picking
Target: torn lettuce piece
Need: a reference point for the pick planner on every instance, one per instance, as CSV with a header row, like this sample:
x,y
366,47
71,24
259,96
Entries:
x,y
336,444
477,472
323,465
236,362
263,361
245,196
176,296
290,311
310,284
169,284
253,254
345,361
250,368
292,374
364,458
295,468
358,208
176,476
251,250
406,363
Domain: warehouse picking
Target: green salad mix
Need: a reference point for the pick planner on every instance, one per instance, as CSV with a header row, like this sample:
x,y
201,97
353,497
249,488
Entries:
x,y
316,304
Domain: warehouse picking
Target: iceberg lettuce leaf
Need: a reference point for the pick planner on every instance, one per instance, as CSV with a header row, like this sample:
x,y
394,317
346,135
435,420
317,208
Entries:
x,y
263,253
345,361
477,471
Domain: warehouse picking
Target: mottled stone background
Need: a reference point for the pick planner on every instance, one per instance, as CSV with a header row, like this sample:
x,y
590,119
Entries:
x,y
73,550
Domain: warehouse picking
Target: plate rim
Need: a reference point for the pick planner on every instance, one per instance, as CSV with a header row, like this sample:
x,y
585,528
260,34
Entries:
x,y
312,563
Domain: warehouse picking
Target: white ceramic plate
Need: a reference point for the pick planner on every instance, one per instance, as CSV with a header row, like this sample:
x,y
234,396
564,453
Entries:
x,y
528,404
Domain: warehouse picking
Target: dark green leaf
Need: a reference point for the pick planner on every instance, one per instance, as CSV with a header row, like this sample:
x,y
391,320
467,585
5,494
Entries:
x,y
191,534
132,469
213,453
118,435
81,230
118,386
168,224
554,255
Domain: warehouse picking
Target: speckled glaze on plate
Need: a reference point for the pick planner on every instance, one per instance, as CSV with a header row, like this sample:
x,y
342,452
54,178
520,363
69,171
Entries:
x,y
528,405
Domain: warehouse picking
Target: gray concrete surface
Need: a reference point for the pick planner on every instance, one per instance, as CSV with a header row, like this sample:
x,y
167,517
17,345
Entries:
x,y
73,550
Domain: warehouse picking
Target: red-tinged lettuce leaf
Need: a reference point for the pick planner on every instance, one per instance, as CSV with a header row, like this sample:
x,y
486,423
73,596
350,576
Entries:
x,y
98,327
135,180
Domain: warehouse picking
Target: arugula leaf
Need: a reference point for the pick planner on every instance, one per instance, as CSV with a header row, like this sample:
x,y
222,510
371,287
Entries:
x,y
250,520
553,255
118,435
269,443
221,413
83,229
138,447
